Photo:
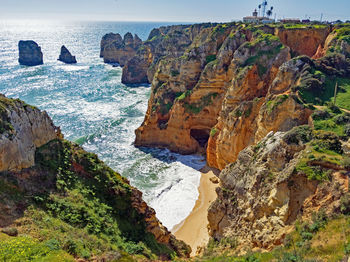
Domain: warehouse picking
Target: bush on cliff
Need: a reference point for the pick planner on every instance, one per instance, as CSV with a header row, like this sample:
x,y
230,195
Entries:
x,y
83,204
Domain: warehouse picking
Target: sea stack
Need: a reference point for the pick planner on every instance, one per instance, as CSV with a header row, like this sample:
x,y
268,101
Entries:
x,y
66,56
30,53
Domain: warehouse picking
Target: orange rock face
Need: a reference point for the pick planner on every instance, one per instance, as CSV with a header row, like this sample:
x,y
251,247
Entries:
x,y
304,41
225,93
218,88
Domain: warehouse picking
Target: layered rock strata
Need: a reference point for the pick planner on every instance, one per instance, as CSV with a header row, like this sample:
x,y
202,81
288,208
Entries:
x,y
264,192
226,86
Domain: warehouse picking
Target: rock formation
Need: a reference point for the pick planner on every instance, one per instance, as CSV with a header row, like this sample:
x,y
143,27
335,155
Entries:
x,y
264,191
218,88
115,49
23,129
29,53
66,56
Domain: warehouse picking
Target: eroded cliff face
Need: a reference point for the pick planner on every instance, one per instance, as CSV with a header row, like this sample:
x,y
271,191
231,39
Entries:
x,y
218,88
266,190
23,129
41,171
115,49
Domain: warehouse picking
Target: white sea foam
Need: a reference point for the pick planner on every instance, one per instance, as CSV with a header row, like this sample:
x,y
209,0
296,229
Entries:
x,y
175,198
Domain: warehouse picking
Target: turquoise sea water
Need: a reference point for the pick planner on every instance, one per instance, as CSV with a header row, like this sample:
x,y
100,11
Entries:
x,y
92,107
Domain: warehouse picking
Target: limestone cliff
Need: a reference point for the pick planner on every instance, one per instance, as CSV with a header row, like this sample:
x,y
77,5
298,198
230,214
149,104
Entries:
x,y
226,86
267,188
43,176
115,49
23,129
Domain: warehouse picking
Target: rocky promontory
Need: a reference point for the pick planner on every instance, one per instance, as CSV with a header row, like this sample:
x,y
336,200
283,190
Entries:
x,y
66,56
29,53
51,188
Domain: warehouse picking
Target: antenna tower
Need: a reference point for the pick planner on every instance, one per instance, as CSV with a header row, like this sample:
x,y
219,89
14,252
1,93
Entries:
x,y
264,5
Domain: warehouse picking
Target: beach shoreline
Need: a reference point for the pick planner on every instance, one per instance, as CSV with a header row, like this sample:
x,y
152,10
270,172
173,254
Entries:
x,y
193,230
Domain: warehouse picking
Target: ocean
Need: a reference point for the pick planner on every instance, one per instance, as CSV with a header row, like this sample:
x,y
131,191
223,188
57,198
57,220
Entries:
x,y
94,109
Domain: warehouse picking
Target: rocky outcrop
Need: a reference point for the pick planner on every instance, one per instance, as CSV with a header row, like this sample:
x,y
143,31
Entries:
x,y
264,191
232,85
29,53
66,56
312,39
37,164
23,129
115,49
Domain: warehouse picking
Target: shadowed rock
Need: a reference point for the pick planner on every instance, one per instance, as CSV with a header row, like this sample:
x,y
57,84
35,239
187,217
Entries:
x,y
30,53
66,56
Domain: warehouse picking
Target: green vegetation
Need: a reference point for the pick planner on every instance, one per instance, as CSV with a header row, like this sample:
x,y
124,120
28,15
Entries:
x,y
271,41
213,132
332,119
273,104
184,95
259,36
27,249
196,108
324,150
82,206
343,34
210,58
318,88
5,124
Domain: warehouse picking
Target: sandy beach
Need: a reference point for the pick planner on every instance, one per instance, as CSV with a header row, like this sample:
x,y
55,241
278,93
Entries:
x,y
193,230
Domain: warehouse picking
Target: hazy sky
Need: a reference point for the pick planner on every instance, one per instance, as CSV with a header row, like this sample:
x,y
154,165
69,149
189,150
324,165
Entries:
x,y
167,10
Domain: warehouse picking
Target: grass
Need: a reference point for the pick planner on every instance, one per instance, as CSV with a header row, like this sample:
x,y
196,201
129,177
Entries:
x,y
343,94
196,108
332,121
318,88
27,249
324,149
321,239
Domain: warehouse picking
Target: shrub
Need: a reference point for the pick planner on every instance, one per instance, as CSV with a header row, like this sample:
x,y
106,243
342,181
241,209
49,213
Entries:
x,y
298,134
328,141
347,249
345,204
210,58
347,130
213,131
321,115
346,162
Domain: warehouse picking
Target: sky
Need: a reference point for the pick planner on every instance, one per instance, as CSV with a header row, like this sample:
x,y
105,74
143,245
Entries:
x,y
167,10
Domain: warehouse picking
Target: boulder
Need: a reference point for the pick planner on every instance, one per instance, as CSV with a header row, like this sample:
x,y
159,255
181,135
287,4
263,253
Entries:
x,y
66,56
30,53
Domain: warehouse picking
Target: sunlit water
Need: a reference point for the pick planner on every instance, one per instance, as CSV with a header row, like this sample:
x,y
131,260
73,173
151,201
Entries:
x,y
92,107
